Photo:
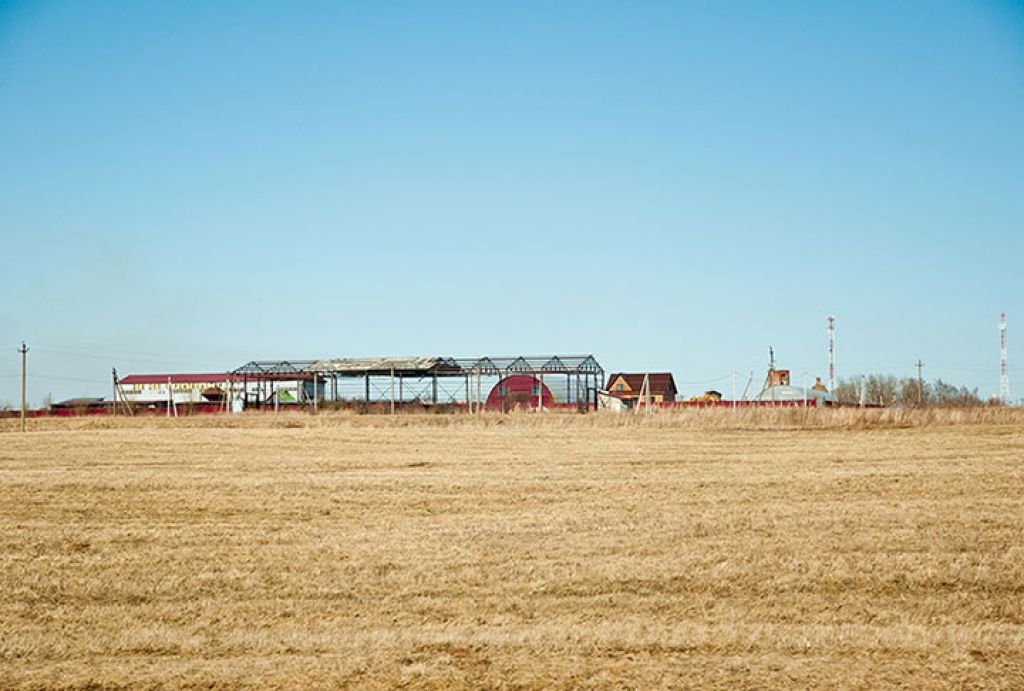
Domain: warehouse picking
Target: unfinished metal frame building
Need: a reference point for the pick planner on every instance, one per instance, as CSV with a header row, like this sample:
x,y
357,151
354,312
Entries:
x,y
572,379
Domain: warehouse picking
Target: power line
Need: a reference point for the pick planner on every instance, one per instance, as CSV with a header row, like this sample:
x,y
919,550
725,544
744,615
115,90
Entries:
x,y
704,381
75,379
101,355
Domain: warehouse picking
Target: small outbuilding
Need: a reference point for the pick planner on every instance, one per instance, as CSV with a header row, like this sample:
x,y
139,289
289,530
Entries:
x,y
779,389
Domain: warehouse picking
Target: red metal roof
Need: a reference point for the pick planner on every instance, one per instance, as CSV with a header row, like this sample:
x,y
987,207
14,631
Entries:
x,y
517,390
661,382
213,378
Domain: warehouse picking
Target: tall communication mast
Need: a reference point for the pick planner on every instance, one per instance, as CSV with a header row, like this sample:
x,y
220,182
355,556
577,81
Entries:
x,y
832,354
1004,369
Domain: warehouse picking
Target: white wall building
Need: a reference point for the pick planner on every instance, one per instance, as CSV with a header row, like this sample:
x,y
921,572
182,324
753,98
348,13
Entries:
x,y
214,388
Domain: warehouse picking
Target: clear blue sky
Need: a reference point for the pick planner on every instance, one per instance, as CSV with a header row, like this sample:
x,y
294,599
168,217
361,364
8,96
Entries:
x,y
669,185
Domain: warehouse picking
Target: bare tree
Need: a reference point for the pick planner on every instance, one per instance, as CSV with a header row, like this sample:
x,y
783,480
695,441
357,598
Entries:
x,y
911,394
882,389
847,391
886,389
949,396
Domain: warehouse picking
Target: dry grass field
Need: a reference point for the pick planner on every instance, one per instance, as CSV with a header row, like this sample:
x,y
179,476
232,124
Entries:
x,y
783,549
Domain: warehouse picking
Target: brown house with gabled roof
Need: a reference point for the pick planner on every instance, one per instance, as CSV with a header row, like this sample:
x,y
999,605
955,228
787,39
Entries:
x,y
627,386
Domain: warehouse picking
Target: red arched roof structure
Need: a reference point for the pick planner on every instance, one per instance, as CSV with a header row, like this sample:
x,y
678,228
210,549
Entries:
x,y
519,391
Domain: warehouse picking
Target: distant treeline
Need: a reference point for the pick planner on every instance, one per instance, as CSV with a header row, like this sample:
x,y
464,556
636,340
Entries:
x,y
887,389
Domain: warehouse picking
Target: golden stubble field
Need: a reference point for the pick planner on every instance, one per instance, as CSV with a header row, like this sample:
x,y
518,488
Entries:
x,y
528,551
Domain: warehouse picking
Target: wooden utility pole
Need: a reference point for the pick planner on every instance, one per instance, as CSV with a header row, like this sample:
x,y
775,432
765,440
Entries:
x,y
24,405
479,409
920,383
172,405
119,396
644,397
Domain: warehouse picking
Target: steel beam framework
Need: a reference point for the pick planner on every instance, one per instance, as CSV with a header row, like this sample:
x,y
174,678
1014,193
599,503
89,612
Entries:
x,y
573,379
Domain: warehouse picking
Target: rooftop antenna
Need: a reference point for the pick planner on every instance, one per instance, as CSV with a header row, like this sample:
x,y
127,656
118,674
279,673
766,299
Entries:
x,y
831,353
1004,369
769,381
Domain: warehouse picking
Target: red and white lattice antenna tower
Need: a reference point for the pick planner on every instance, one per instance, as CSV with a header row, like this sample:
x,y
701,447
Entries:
x,y
1004,369
831,353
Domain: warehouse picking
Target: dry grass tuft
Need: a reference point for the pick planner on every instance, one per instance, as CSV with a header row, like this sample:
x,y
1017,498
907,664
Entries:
x,y
698,548
758,419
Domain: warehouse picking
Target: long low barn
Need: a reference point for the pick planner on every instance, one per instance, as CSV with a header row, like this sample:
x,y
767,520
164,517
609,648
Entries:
x,y
214,387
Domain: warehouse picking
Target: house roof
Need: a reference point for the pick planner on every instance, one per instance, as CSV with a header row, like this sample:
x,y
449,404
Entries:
x,y
385,365
457,367
660,381
81,401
